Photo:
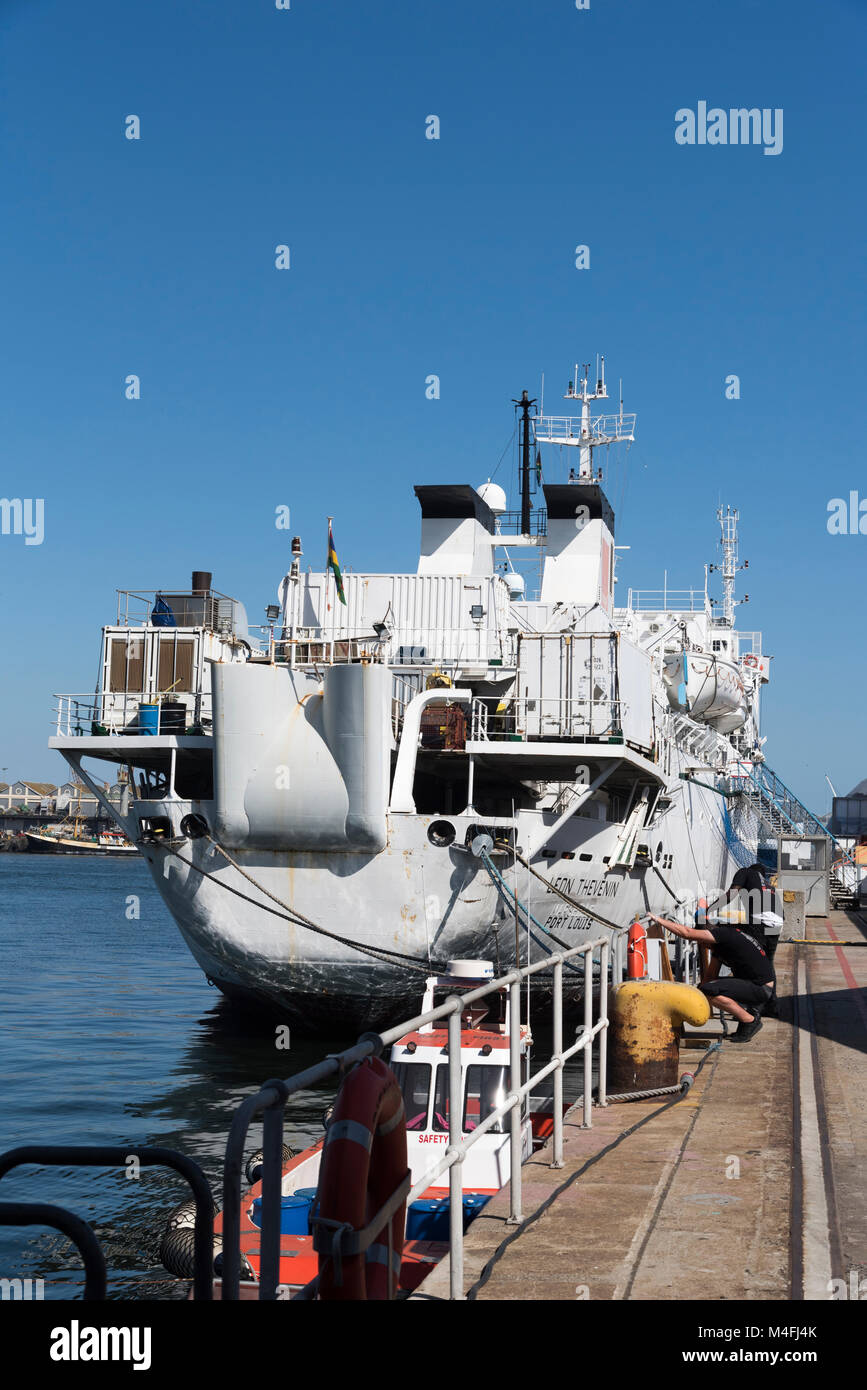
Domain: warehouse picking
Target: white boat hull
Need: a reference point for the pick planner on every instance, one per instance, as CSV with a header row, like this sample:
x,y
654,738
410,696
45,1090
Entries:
x,y
430,904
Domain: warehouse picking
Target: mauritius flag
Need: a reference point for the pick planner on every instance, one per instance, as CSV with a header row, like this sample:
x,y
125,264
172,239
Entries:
x,y
334,565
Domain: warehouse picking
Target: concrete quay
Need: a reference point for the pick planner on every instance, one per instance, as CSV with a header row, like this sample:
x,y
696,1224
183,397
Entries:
x,y
749,1188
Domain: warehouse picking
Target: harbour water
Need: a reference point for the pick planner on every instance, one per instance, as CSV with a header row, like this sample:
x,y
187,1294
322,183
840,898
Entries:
x,y
111,1035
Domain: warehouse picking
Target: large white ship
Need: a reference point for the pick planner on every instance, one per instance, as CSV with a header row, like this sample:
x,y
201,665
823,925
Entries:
x,y
441,766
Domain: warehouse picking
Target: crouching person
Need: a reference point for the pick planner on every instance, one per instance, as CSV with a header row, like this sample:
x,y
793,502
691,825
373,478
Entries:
x,y
752,979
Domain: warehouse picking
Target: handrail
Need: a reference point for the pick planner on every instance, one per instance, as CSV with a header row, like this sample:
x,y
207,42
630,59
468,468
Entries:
x,y
74,1228
273,1095
113,1156
117,713
769,785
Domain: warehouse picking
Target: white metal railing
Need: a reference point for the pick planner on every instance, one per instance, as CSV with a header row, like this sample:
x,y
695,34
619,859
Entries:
x,y
445,649
208,607
119,714
569,429
479,722
544,717
667,600
565,717
700,741
271,1101
403,689
748,642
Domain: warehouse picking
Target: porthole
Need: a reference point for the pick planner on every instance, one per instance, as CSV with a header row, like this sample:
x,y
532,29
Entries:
x,y
441,833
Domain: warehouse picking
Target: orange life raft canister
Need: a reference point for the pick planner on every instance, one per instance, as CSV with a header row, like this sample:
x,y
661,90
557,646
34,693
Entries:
x,y
636,952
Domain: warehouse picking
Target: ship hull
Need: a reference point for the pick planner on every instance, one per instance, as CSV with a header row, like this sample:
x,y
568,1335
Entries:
x,y
423,903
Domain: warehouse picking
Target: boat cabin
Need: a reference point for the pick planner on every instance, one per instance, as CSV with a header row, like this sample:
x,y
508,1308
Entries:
x,y
420,1061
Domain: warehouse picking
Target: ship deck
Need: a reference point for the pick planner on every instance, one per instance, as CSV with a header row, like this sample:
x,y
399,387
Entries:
x,y
750,1188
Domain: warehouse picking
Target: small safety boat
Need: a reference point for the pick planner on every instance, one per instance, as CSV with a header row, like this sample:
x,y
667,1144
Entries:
x,y
419,1064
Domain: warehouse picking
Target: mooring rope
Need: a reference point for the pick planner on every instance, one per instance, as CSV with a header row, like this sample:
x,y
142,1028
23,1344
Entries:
x,y
588,911
383,954
512,899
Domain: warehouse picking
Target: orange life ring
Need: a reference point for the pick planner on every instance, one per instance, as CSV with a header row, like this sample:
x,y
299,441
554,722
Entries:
x,y
363,1162
751,659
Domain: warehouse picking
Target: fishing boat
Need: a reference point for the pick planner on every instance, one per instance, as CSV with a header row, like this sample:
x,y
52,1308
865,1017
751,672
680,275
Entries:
x,y
396,768
71,838
419,1061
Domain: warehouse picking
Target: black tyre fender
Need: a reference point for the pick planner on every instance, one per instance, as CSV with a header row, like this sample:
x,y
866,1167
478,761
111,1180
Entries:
x,y
177,1247
253,1170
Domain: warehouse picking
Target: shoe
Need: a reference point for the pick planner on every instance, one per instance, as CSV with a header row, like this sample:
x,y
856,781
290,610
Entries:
x,y
746,1031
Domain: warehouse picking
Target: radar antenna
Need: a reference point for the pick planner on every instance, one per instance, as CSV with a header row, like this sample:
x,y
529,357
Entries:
x,y
582,431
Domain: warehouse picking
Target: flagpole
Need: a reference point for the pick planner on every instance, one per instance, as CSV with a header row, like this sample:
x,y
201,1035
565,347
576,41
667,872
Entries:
x,y
328,576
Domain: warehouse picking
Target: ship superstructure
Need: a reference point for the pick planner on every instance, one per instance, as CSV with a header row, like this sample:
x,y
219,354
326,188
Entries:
x,y
440,767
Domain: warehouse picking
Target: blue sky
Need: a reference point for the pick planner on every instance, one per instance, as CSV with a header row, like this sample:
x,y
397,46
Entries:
x,y
411,257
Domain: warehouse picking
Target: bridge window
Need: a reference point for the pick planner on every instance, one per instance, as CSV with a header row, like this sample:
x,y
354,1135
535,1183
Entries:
x,y
413,1078
486,1090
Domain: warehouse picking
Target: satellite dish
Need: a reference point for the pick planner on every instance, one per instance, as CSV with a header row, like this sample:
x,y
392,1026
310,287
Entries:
x,y
494,495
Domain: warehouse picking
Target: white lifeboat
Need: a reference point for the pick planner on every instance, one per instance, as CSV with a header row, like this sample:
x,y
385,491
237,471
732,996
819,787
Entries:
x,y
709,688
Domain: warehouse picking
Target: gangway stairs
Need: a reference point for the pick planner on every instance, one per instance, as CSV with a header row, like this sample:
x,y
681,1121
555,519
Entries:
x,y
779,809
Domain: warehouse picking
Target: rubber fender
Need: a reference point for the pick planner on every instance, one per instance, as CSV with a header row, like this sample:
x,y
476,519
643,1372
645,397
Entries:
x,y
177,1247
255,1163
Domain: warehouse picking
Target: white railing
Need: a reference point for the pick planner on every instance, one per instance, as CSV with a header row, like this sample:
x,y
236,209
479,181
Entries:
x,y
445,648
569,429
557,717
479,722
700,741
206,608
554,718
271,1101
749,642
667,600
403,689
119,714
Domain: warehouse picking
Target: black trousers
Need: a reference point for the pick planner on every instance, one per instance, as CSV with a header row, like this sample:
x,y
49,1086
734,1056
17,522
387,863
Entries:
x,y
771,942
743,992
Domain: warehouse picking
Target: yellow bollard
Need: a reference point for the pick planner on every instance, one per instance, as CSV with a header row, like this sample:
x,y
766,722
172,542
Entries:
x,y
644,1033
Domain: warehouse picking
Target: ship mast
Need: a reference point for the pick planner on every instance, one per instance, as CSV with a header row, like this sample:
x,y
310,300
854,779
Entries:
x,y
728,521
585,432
524,405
